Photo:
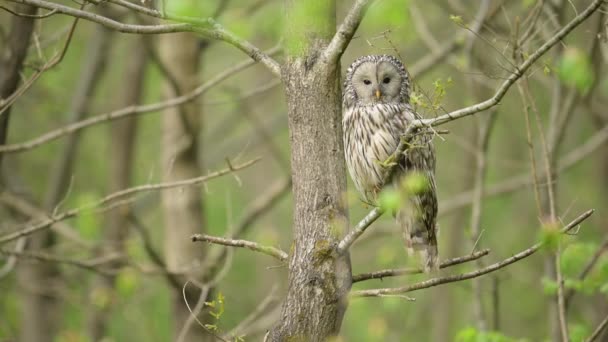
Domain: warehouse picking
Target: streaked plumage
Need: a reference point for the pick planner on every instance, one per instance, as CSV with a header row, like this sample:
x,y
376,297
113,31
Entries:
x,y
376,112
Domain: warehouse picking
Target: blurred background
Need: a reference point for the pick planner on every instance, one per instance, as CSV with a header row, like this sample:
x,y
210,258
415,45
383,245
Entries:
x,y
106,275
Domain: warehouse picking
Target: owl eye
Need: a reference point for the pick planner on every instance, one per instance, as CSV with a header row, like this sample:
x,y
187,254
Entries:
x,y
386,80
368,82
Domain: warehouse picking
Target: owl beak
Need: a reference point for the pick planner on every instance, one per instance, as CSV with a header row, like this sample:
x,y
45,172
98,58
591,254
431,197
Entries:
x,y
378,94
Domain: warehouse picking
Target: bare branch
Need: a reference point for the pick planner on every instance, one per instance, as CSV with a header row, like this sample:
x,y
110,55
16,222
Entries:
x,y
598,331
359,229
458,201
254,246
28,209
90,265
345,32
469,275
406,271
494,100
206,27
131,110
253,316
6,103
515,75
25,15
112,200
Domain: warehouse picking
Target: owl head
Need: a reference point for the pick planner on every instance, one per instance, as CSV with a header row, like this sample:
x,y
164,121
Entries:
x,y
376,79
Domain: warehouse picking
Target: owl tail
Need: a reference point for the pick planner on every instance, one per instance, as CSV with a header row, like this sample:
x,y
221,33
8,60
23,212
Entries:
x,y
419,239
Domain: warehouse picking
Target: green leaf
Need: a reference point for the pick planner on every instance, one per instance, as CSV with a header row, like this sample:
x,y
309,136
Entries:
x,y
126,282
457,19
574,257
575,69
220,306
468,334
390,199
415,183
550,236
549,286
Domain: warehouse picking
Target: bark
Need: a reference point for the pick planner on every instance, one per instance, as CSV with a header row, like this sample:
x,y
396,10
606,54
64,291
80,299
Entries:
x,y
122,138
182,207
318,279
40,306
11,61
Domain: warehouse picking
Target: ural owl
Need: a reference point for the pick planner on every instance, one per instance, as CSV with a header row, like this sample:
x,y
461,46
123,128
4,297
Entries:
x,y
376,113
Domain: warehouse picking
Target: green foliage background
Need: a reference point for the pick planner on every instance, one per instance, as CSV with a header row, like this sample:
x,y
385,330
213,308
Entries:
x,y
140,307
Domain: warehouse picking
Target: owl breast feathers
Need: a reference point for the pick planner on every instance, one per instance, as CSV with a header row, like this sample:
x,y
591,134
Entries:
x,y
376,113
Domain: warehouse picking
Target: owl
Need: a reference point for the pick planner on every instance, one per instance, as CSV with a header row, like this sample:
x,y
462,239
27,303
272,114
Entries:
x,y
376,113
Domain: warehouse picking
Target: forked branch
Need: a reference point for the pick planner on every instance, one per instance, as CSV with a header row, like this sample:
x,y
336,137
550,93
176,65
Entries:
x,y
254,246
519,71
116,199
405,271
206,27
345,32
468,275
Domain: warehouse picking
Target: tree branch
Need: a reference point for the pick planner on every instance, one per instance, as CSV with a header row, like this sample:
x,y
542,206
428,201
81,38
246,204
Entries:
x,y
254,246
359,229
206,27
515,75
345,32
111,200
128,111
405,271
469,275
598,331
457,114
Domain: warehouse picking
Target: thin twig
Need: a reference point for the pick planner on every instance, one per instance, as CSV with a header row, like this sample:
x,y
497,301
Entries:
x,y
55,60
131,110
469,275
90,265
598,331
406,271
514,76
571,159
258,312
207,27
460,113
254,246
112,200
345,32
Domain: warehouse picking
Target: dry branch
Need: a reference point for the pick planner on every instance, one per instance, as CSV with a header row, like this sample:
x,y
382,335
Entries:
x,y
460,113
206,27
345,32
516,74
95,265
131,110
406,271
469,275
597,333
254,246
112,200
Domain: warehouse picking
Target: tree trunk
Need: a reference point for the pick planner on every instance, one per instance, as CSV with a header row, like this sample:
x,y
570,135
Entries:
x,y
41,280
122,137
11,61
182,207
318,280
